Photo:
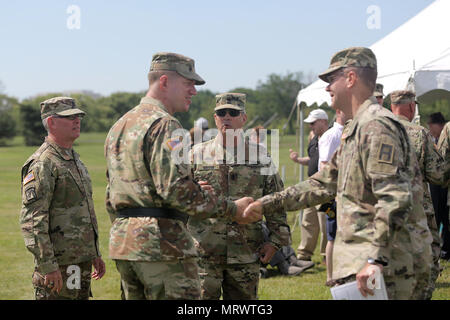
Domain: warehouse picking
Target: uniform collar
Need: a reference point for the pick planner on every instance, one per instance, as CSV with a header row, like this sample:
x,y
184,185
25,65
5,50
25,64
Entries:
x,y
155,102
402,117
359,114
65,153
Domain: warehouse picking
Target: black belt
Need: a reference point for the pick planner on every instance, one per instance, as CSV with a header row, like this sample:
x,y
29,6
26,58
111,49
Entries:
x,y
153,212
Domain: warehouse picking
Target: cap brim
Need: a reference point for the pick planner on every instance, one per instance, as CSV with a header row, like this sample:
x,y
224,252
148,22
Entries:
x,y
193,76
378,94
324,75
228,106
70,112
310,120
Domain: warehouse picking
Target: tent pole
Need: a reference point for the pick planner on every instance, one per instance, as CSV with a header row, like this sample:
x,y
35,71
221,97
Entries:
x,y
299,216
302,153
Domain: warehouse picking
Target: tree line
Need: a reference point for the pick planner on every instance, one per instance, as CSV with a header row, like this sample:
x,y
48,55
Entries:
x,y
271,101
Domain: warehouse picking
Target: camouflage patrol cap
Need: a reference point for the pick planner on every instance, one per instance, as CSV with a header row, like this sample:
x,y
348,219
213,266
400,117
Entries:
x,y
351,57
183,65
61,106
230,101
378,90
402,97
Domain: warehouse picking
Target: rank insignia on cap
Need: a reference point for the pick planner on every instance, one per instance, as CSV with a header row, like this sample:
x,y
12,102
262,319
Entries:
x,y
28,178
386,153
174,142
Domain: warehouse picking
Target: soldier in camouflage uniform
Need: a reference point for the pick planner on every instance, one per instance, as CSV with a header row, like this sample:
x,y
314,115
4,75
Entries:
x,y
57,217
444,149
375,177
378,93
431,165
150,193
230,252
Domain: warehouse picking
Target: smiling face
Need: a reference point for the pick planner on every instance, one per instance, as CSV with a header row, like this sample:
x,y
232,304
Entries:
x,y
337,88
179,92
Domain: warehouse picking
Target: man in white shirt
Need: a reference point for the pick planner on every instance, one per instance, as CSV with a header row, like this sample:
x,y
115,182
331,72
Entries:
x,y
328,144
313,221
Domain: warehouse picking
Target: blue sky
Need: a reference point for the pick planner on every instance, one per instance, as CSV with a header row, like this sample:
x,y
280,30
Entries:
x,y
234,43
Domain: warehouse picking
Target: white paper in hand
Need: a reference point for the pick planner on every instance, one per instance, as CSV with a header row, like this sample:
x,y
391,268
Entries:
x,y
350,291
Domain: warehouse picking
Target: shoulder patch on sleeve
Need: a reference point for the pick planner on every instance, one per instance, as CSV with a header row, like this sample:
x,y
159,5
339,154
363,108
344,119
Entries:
x,y
30,194
30,177
386,153
174,143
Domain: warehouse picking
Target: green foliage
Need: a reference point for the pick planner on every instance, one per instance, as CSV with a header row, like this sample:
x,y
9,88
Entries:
x,y
442,106
117,104
202,106
30,113
273,96
7,121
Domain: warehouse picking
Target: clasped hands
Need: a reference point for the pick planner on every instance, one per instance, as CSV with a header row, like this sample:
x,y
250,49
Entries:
x,y
247,209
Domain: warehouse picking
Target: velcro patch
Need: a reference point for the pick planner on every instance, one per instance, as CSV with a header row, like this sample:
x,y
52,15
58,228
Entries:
x,y
28,178
30,194
174,142
386,153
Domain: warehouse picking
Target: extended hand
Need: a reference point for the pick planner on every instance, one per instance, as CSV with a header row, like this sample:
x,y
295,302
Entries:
x,y
254,210
205,186
366,277
293,155
266,252
241,217
53,281
99,268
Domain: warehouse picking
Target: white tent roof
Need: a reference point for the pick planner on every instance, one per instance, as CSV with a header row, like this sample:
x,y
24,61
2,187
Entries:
x,y
415,56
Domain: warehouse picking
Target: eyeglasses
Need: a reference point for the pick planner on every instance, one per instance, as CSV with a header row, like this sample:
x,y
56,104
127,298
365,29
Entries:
x,y
71,117
232,112
334,76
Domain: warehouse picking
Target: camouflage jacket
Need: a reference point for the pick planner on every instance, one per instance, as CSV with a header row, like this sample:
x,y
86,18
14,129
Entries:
x,y
57,217
225,242
375,177
444,149
142,171
431,167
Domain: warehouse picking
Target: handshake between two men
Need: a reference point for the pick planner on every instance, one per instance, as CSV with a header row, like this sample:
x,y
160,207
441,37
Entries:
x,y
247,211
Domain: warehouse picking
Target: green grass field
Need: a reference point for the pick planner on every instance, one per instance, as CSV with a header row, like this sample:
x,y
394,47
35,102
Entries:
x,y
16,263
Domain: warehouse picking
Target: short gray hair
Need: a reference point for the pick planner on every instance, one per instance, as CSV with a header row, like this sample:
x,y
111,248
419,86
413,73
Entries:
x,y
45,123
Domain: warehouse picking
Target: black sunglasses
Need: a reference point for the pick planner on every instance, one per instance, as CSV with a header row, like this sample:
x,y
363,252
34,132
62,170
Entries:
x,y
71,117
232,112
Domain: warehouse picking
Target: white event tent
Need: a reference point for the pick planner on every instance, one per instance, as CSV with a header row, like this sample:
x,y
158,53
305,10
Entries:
x,y
415,56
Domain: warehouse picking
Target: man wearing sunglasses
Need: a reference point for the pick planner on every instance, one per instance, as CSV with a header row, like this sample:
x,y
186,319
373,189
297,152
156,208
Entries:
x,y
57,217
375,178
378,93
231,253
150,195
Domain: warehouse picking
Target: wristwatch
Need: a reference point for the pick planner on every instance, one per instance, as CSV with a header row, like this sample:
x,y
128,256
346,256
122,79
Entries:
x,y
376,261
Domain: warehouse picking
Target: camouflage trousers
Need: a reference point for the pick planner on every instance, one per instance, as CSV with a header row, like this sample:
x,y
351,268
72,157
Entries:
x,y
76,283
234,281
160,280
423,266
